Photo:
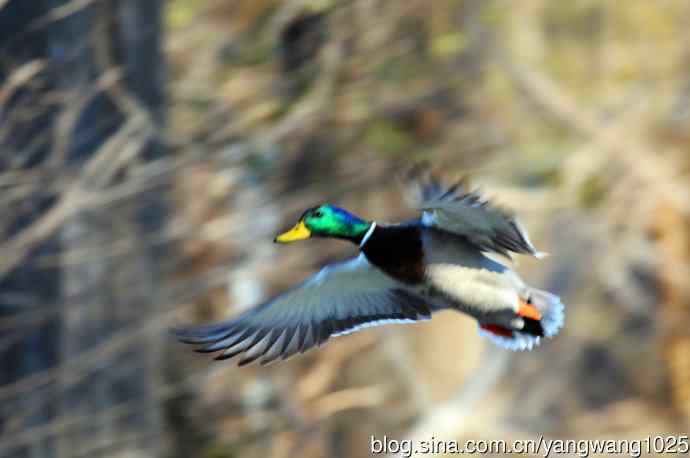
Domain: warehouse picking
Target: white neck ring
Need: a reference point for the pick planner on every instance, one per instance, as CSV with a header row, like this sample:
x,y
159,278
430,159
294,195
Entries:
x,y
368,234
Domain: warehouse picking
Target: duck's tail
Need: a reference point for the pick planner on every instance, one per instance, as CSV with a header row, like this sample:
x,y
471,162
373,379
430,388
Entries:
x,y
540,314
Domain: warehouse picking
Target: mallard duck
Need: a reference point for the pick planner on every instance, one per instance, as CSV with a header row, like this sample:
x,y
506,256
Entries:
x,y
403,274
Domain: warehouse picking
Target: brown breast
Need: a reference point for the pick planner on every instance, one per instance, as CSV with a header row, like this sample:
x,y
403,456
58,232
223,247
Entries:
x,y
397,250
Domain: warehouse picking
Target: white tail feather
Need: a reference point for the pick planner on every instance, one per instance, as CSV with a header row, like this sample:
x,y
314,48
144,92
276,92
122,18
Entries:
x,y
553,318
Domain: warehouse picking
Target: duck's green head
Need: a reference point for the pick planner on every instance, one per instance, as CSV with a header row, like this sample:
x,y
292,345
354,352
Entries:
x,y
326,221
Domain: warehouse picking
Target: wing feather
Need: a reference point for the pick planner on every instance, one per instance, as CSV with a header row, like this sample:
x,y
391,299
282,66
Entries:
x,y
464,212
338,300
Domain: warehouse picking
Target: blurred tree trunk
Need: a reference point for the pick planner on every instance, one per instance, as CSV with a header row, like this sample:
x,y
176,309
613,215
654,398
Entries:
x,y
101,294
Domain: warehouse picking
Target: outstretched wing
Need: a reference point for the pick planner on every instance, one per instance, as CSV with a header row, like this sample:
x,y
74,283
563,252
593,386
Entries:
x,y
340,299
463,212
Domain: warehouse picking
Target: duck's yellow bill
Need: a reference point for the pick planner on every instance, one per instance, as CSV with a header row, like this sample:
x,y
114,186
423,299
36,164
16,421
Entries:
x,y
299,232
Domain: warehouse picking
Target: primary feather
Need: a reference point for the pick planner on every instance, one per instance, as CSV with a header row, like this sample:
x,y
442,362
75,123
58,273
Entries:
x,y
463,212
340,299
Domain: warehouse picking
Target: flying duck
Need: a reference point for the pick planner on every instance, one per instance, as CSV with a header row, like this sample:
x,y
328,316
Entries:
x,y
403,274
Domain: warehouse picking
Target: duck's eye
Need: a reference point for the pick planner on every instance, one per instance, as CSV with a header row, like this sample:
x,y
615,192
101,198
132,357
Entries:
x,y
318,214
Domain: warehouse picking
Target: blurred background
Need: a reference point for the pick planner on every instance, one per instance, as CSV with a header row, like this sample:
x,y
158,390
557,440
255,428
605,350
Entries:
x,y
150,151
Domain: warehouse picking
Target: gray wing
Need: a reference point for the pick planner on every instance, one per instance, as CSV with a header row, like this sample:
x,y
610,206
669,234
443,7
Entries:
x,y
340,299
460,211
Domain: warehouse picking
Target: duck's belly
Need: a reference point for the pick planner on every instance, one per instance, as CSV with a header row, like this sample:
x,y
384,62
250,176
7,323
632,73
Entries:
x,y
458,275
